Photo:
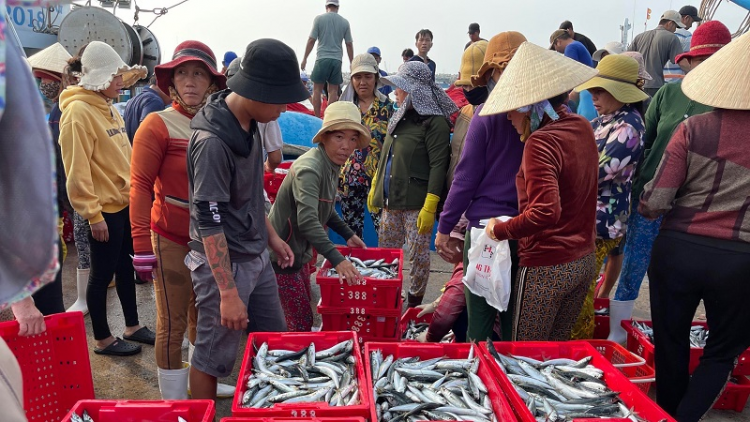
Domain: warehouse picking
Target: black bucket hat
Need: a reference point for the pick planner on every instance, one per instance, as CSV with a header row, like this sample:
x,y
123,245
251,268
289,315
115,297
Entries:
x,y
269,73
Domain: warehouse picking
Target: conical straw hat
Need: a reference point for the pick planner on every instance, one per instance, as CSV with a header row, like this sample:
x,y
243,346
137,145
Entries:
x,y
535,74
723,80
52,59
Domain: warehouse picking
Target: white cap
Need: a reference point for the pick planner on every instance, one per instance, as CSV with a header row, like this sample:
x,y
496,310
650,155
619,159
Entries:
x,y
332,3
674,16
613,47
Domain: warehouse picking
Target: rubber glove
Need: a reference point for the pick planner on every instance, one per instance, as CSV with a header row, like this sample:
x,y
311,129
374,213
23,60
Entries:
x,y
422,337
426,218
371,196
428,308
144,265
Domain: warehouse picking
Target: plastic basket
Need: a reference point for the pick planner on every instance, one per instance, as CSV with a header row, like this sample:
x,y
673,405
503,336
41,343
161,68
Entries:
x,y
601,322
372,292
500,404
272,181
633,397
243,419
735,395
55,365
367,323
411,315
631,365
297,341
145,410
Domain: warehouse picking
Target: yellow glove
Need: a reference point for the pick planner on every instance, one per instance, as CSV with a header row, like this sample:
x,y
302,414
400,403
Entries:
x,y
426,218
371,196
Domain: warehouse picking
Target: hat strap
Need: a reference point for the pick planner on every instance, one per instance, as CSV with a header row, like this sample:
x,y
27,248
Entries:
x,y
194,52
611,78
697,47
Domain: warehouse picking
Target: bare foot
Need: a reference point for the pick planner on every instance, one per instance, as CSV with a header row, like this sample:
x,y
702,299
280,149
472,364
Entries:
x,y
129,331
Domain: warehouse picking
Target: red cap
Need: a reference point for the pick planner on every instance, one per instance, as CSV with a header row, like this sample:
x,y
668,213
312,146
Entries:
x,y
188,51
707,40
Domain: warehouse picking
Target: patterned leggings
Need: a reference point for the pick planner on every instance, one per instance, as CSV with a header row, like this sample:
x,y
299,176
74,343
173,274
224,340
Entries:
x,y
353,210
550,298
399,226
641,236
295,296
81,232
584,326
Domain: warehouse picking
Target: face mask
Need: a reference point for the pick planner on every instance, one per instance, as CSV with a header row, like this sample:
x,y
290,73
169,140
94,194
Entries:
x,y
50,89
477,95
490,84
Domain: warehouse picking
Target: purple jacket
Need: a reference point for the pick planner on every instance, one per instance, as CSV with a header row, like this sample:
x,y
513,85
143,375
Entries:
x,y
484,183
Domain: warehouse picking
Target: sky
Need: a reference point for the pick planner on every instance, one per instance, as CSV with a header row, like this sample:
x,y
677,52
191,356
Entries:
x,y
391,24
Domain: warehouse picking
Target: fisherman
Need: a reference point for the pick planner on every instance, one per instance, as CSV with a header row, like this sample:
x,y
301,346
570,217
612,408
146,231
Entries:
x,y
424,45
689,15
577,36
473,35
329,30
658,46
233,280
151,99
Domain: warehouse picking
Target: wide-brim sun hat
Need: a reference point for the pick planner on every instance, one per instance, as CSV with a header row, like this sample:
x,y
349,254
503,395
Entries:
x,y
533,75
51,61
723,80
343,115
642,73
500,49
618,75
471,61
101,64
269,73
233,67
188,51
364,63
426,97
707,40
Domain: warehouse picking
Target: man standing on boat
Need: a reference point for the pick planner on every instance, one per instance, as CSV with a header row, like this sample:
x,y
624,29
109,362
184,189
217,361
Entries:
x,y
329,30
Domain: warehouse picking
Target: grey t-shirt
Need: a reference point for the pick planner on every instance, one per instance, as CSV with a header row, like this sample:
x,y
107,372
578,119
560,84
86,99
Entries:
x,y
330,29
657,46
217,174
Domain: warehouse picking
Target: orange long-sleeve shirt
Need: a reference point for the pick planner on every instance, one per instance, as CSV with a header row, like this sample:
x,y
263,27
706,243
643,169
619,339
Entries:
x,y
159,168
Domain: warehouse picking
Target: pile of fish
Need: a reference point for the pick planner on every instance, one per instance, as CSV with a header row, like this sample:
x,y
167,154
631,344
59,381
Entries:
x,y
84,417
410,389
370,268
303,376
414,329
561,389
698,334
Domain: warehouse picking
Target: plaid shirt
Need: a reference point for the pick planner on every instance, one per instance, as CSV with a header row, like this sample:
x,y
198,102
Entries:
x,y
452,303
702,181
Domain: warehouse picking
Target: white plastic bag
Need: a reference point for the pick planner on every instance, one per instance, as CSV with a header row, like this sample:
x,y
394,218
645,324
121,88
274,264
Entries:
x,y
488,273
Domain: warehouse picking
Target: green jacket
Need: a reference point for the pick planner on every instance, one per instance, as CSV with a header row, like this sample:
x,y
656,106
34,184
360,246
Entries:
x,y
420,152
305,203
668,108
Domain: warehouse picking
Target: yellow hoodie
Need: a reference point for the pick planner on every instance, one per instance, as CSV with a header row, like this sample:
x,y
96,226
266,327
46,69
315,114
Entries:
x,y
96,154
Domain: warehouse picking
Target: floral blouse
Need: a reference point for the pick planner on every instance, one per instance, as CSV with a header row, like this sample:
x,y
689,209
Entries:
x,y
619,138
360,168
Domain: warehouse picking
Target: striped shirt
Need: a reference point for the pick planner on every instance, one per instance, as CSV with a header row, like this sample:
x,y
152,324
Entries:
x,y
673,72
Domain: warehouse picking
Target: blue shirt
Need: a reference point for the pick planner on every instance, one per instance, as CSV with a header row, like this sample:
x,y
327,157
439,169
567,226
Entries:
x,y
386,89
586,106
429,64
577,51
139,107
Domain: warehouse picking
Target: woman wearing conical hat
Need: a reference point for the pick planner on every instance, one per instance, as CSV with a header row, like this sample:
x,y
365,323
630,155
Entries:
x,y
702,251
557,191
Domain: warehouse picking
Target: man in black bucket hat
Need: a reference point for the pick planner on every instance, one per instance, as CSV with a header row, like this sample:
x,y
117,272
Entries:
x,y
235,286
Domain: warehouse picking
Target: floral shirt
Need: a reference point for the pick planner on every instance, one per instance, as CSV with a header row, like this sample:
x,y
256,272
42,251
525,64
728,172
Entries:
x,y
619,138
360,168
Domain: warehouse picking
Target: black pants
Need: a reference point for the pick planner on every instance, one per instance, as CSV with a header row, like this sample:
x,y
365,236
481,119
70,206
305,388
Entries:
x,y
108,259
49,299
685,269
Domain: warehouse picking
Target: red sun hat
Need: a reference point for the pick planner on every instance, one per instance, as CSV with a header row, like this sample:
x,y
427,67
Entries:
x,y
707,40
188,51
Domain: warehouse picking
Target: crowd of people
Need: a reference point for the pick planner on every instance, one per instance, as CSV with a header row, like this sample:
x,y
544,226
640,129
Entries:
x,y
573,155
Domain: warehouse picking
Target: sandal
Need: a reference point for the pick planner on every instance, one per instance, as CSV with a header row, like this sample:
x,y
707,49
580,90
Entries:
x,y
119,347
143,335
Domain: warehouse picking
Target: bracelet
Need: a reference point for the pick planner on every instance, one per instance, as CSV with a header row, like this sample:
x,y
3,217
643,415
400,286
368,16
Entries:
x,y
492,234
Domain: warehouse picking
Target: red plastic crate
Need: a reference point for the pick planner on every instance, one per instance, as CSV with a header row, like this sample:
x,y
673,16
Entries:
x,y
297,341
411,315
500,404
272,181
601,322
55,365
631,395
372,292
734,396
631,365
367,323
243,419
142,410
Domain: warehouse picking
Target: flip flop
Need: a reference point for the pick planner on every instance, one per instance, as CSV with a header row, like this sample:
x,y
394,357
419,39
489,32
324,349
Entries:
x,y
119,347
143,335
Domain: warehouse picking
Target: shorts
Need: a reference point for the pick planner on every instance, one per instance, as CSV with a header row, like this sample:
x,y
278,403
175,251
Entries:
x,y
327,71
216,347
